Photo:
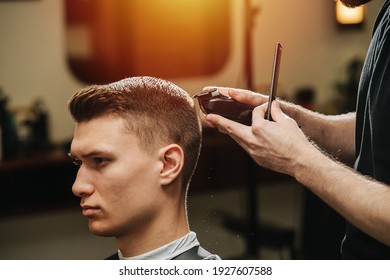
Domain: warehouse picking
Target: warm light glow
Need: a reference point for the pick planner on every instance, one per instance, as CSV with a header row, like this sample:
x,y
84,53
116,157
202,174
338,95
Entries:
x,y
109,40
345,15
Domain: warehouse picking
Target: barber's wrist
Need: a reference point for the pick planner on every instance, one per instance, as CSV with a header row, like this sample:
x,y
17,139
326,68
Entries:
x,y
306,164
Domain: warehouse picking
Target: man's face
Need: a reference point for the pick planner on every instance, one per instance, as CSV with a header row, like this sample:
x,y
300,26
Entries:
x,y
354,3
117,181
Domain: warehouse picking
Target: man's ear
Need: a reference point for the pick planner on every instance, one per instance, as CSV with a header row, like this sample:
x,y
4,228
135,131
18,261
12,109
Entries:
x,y
172,157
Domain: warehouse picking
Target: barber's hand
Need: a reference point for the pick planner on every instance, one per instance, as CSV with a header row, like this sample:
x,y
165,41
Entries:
x,y
276,145
241,95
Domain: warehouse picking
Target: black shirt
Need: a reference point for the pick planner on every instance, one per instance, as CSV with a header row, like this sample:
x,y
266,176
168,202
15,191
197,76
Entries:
x,y
373,131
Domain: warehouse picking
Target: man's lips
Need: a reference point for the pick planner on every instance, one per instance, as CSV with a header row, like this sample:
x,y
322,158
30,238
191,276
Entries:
x,y
90,210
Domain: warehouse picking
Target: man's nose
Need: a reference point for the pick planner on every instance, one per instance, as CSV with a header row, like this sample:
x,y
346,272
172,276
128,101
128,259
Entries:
x,y
83,184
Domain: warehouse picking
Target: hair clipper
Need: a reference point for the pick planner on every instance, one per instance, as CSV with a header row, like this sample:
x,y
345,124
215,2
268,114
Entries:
x,y
211,101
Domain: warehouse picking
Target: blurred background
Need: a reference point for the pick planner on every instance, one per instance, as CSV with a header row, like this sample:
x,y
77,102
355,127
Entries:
x,y
51,48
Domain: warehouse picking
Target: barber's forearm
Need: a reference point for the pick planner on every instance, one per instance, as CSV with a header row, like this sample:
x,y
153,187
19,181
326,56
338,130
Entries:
x,y
340,132
361,200
334,134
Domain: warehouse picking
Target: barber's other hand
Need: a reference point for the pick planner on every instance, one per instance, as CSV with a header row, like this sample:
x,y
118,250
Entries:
x,y
241,95
277,145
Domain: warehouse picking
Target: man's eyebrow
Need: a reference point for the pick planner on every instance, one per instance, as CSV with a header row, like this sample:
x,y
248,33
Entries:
x,y
89,154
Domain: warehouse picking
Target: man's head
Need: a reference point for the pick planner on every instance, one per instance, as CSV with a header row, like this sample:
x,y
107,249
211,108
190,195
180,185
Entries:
x,y
137,142
157,111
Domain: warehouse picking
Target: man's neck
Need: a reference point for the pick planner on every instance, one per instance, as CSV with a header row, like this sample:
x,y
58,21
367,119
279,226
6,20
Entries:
x,y
152,237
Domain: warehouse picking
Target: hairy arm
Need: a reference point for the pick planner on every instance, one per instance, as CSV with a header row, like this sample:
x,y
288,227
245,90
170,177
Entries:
x,y
334,134
361,200
283,147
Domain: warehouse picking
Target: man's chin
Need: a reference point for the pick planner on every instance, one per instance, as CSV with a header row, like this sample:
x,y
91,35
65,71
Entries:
x,y
100,230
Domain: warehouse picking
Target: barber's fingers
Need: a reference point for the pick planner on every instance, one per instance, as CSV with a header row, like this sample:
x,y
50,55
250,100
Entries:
x,y
204,120
242,95
278,115
248,97
276,112
237,131
260,112
258,118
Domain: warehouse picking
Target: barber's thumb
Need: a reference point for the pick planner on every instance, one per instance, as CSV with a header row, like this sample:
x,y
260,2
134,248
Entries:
x,y
276,111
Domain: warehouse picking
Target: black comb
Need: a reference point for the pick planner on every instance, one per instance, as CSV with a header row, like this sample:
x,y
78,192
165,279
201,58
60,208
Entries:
x,y
275,78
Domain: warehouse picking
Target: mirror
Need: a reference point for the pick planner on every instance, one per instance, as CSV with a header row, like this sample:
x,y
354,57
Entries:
x,y
108,40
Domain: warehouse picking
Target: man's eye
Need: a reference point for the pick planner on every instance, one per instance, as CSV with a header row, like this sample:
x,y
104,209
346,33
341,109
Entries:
x,y
99,160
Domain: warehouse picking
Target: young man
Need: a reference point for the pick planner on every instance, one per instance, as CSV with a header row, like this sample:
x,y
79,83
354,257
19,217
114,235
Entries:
x,y
362,195
136,143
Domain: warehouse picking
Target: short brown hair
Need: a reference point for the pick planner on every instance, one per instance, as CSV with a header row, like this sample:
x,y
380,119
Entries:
x,y
157,111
